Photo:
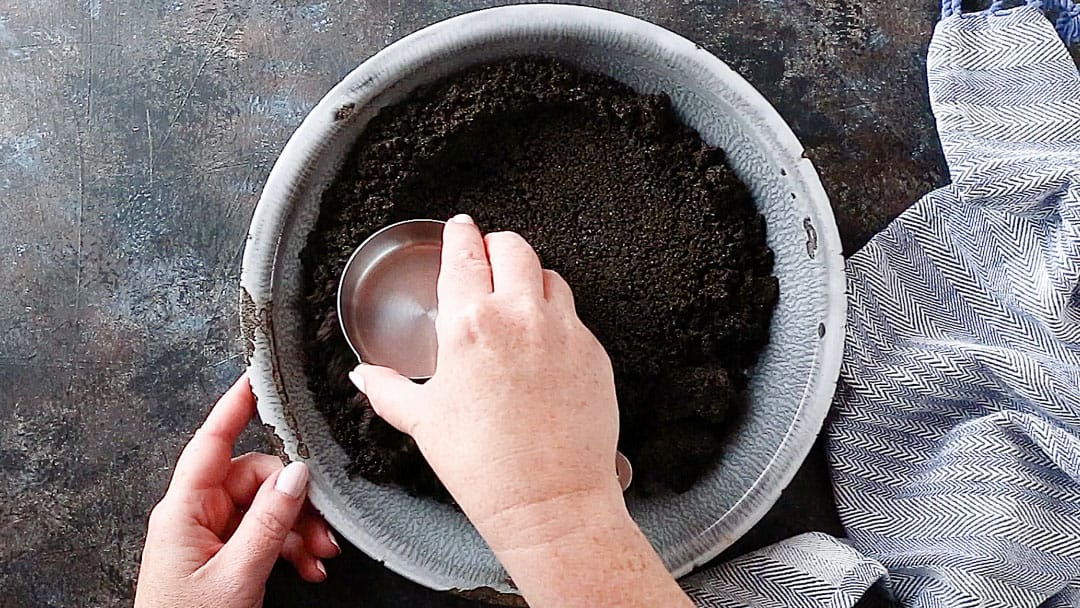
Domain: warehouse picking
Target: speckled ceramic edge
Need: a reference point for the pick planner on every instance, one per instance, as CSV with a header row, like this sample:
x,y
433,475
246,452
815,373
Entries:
x,y
430,545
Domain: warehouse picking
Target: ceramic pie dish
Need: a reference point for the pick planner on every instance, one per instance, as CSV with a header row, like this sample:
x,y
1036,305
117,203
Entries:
x,y
791,387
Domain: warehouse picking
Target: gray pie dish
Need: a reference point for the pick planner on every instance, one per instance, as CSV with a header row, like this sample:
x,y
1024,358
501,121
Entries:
x,y
791,387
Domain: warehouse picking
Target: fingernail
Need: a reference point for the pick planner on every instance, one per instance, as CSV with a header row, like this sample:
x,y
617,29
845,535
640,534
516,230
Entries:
x,y
292,479
357,379
319,565
333,541
462,218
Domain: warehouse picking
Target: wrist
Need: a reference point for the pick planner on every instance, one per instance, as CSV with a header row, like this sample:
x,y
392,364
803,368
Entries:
x,y
557,520
585,550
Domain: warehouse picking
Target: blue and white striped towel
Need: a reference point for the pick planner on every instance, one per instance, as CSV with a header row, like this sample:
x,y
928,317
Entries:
x,y
954,440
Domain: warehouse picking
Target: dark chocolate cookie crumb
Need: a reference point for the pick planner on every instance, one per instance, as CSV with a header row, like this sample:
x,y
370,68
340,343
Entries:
x,y
659,239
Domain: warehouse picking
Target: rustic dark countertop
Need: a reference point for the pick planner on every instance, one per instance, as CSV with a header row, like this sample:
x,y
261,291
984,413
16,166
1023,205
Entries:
x,y
134,138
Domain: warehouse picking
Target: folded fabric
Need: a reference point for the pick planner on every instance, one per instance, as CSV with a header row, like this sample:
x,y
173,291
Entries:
x,y
954,441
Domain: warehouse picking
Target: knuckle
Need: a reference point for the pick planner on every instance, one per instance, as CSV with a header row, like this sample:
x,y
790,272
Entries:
x,y
482,318
475,317
521,317
529,313
158,516
246,459
468,256
557,283
494,317
454,328
599,352
271,525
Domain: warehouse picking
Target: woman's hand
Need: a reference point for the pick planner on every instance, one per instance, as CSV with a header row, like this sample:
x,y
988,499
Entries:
x,y
521,410
520,422
224,521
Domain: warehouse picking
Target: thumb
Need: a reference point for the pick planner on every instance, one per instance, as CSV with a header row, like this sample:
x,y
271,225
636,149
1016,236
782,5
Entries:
x,y
255,545
395,398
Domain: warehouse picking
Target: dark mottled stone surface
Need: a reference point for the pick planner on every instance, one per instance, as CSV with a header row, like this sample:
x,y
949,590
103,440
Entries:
x,y
134,138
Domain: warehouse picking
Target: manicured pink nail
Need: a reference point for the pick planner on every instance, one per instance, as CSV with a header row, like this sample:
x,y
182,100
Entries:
x,y
319,565
333,541
462,218
292,479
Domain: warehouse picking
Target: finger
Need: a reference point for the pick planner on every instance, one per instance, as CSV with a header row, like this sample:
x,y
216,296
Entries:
x,y
318,539
247,473
309,567
204,461
394,397
515,268
465,274
557,290
260,537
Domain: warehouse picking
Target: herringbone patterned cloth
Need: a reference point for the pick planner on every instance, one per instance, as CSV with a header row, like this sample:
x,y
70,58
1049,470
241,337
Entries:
x,y
955,436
